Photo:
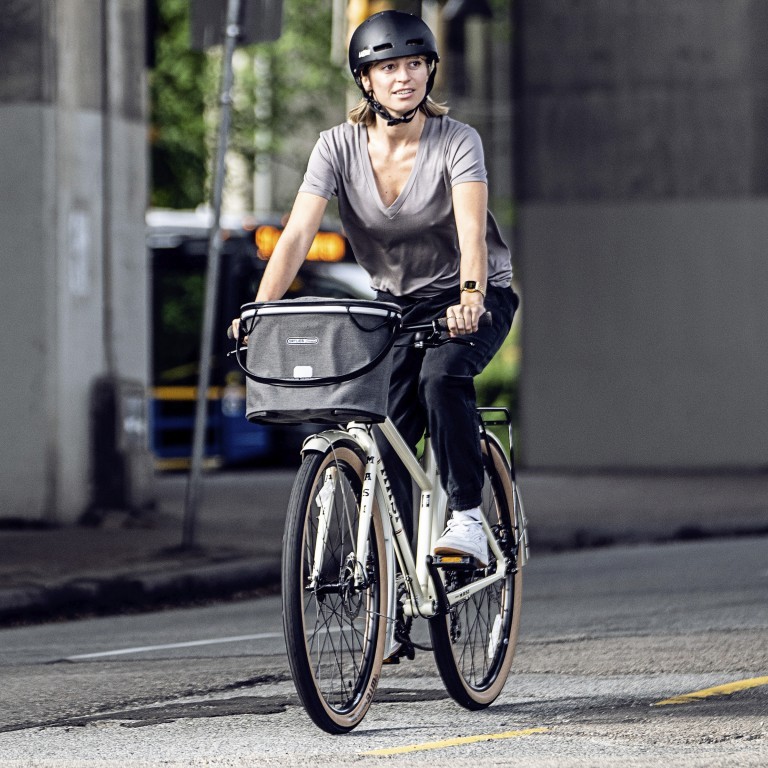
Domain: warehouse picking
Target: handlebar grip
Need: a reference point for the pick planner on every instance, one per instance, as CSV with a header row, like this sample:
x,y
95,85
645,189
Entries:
x,y
485,319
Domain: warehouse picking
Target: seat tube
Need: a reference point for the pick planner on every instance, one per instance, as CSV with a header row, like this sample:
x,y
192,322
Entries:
x,y
431,515
423,540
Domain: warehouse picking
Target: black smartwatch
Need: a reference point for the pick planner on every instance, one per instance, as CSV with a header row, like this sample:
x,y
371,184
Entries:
x,y
470,286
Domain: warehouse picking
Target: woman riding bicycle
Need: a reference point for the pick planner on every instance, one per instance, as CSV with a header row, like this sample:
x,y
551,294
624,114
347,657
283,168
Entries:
x,y
412,191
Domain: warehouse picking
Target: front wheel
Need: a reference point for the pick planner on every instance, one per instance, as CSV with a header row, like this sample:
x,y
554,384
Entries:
x,y
334,599
474,644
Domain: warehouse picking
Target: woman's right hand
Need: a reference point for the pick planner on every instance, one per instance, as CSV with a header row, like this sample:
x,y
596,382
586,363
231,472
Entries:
x,y
234,330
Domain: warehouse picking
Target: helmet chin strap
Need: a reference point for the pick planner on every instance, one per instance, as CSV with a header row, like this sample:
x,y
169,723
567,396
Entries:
x,y
379,110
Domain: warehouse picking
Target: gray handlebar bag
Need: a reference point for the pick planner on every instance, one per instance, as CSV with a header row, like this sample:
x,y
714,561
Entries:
x,y
318,361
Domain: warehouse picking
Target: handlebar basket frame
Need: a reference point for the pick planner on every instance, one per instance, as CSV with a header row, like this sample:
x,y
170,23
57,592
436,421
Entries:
x,y
317,360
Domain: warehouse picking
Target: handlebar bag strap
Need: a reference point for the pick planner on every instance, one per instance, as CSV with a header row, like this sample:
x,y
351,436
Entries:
x,y
317,360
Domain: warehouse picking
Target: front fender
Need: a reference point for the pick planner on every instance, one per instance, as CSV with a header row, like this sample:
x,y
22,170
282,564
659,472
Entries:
x,y
320,442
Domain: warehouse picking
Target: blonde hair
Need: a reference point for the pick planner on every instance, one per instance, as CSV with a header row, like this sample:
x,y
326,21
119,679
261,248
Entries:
x,y
363,113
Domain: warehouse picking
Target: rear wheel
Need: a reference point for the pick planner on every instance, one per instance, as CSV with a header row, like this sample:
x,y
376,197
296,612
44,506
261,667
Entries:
x,y
475,643
333,605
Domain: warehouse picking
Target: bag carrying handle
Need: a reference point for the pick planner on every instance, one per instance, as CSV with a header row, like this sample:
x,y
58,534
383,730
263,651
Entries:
x,y
390,318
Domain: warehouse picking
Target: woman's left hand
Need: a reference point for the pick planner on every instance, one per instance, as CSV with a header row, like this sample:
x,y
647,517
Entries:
x,y
463,318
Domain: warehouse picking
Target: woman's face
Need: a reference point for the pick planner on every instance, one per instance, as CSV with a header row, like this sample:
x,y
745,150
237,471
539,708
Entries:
x,y
399,85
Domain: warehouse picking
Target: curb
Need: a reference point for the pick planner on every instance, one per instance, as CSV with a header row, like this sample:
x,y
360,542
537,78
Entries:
x,y
117,593
133,591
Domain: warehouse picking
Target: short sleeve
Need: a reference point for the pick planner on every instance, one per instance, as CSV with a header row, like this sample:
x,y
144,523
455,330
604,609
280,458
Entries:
x,y
320,177
465,158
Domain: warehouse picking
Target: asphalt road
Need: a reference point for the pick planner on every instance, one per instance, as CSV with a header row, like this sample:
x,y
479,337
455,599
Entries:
x,y
607,636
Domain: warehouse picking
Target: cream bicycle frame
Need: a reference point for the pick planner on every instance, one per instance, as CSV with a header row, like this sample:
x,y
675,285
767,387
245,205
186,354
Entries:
x,y
422,595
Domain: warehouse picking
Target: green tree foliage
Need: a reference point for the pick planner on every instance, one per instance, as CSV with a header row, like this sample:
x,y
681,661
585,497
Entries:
x,y
177,131
279,87
294,85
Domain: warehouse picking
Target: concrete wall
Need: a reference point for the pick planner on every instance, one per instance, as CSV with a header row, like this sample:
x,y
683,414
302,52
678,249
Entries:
x,y
642,174
645,334
74,295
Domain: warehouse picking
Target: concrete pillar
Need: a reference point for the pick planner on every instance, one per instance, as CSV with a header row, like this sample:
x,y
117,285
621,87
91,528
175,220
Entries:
x,y
73,298
642,175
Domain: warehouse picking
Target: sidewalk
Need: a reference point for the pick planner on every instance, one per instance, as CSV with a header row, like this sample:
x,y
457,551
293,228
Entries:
x,y
128,563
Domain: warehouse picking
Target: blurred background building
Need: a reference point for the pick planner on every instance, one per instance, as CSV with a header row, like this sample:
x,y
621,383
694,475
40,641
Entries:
x,y
641,184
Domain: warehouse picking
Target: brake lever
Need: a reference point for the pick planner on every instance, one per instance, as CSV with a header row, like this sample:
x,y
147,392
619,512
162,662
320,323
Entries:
x,y
437,340
423,340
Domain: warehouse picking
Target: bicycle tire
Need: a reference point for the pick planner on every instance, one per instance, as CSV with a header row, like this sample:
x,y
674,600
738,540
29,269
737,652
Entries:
x,y
475,643
334,631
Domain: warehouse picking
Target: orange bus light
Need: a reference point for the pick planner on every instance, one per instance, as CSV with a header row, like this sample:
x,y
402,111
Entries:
x,y
327,246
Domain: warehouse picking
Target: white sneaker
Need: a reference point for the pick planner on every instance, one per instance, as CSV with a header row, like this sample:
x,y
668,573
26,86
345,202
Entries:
x,y
465,537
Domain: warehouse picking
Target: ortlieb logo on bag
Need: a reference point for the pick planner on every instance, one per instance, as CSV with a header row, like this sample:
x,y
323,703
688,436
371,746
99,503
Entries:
x,y
323,361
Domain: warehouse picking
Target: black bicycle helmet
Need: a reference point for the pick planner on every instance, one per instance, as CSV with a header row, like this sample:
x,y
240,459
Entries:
x,y
389,35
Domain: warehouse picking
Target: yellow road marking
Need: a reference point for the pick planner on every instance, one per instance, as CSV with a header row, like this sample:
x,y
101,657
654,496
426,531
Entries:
x,y
718,690
455,742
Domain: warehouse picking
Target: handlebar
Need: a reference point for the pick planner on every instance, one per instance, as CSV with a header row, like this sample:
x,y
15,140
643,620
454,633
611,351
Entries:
x,y
441,324
432,334
438,325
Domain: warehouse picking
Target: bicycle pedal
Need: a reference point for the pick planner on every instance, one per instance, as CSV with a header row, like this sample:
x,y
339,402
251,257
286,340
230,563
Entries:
x,y
456,562
406,650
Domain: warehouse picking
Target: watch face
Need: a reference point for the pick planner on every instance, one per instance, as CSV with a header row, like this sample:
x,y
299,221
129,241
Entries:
x,y
470,285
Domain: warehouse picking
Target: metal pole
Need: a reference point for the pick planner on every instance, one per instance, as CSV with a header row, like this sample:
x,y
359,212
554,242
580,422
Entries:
x,y
212,280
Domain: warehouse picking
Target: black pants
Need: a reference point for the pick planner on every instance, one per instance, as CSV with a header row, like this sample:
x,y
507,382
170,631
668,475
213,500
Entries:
x,y
433,390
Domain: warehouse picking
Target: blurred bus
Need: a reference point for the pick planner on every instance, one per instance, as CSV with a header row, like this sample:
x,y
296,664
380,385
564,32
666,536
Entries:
x,y
178,246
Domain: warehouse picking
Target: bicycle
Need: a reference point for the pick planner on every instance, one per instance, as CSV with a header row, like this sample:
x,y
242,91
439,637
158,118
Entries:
x,y
352,585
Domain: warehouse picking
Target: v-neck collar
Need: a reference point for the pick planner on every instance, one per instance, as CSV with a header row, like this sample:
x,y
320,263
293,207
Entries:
x,y
392,210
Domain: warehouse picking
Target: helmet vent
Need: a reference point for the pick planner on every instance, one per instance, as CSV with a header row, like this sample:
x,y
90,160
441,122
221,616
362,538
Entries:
x,y
415,41
382,47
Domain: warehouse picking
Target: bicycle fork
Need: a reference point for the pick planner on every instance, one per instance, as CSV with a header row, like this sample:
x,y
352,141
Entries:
x,y
324,500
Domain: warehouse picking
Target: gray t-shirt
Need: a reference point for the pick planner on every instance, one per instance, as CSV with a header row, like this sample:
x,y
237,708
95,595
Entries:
x,y
411,247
